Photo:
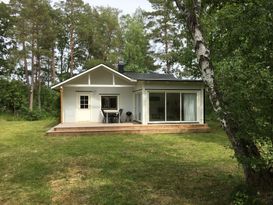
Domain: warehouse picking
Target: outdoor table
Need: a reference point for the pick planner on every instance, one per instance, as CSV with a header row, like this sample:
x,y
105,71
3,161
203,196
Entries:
x,y
111,112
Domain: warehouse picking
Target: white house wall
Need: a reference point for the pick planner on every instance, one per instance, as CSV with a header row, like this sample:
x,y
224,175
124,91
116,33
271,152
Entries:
x,y
70,104
101,76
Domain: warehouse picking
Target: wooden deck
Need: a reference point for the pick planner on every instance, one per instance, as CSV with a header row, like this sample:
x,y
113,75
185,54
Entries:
x,y
124,128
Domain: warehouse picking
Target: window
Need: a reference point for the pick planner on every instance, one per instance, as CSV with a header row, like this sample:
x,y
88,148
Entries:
x,y
109,102
84,102
172,107
138,106
189,107
157,106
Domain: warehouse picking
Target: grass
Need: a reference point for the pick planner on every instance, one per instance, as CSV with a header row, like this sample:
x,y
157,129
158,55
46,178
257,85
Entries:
x,y
120,169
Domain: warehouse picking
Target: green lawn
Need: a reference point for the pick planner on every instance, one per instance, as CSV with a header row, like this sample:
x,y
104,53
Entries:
x,y
119,169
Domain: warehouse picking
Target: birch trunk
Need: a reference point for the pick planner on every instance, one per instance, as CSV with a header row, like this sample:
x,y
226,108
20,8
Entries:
x,y
25,63
244,149
32,77
39,81
166,45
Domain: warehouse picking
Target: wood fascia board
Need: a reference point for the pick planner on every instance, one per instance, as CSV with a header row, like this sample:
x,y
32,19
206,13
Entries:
x,y
96,86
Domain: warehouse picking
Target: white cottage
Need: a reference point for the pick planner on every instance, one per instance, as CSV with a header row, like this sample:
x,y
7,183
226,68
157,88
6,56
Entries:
x,y
152,98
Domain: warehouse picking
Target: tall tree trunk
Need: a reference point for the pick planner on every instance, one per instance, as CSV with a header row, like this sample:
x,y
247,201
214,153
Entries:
x,y
244,149
25,63
166,47
71,50
31,91
39,81
61,72
53,68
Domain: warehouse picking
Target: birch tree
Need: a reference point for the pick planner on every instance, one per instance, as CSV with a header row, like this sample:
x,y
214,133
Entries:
x,y
257,171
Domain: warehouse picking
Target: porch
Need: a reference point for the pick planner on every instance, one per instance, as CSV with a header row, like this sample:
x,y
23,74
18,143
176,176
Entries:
x,y
87,128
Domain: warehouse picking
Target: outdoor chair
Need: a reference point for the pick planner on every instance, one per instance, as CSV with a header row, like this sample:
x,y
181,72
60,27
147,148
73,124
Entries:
x,y
104,116
118,115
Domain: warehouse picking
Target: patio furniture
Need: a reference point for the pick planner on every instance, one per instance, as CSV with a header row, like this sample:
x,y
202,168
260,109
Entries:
x,y
112,114
104,116
118,116
128,116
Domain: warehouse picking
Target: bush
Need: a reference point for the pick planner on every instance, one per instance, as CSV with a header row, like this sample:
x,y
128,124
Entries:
x,y
244,195
14,101
33,115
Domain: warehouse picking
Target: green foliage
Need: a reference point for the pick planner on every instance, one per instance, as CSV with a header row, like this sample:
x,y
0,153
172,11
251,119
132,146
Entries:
x,y
243,195
166,34
13,97
14,100
34,115
136,44
240,37
6,22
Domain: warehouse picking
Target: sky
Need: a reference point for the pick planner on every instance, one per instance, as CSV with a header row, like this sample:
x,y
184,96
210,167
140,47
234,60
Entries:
x,y
127,6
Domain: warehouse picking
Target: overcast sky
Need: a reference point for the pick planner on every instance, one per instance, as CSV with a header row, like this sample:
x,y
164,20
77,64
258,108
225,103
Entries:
x,y
127,6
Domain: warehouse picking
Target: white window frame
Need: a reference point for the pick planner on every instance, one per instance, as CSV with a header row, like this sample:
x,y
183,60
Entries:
x,y
79,94
136,114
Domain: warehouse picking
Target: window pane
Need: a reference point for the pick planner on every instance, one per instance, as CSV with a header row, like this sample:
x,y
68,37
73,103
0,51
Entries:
x,y
138,106
189,107
157,106
109,102
173,107
113,102
83,102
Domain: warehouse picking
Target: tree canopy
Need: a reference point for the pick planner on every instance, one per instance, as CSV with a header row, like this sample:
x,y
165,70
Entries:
x,y
226,43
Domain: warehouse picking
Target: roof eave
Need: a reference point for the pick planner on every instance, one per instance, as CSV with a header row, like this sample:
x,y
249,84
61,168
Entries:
x,y
197,81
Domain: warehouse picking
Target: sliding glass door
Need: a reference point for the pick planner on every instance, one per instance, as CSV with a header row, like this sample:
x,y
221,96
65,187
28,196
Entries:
x,y
189,107
138,106
172,107
157,106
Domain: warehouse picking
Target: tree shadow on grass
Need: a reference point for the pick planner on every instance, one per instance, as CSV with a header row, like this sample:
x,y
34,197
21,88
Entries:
x,y
118,171
220,139
164,181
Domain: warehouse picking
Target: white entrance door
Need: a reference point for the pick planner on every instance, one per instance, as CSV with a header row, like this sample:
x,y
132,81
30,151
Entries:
x,y
83,107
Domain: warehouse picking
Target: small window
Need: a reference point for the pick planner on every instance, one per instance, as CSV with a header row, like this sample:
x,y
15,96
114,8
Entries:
x,y
83,102
109,102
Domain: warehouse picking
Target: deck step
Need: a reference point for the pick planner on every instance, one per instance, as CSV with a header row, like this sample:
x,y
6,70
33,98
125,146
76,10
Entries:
x,y
129,129
132,127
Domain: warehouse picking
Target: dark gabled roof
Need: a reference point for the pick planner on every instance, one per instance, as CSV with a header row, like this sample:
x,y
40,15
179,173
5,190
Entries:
x,y
157,77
